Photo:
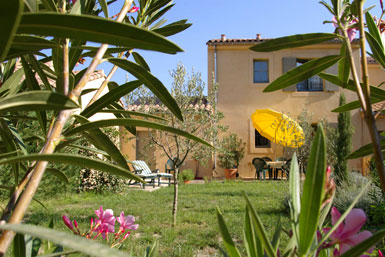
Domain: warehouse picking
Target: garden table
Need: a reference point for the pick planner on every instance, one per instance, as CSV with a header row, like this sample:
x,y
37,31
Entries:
x,y
275,165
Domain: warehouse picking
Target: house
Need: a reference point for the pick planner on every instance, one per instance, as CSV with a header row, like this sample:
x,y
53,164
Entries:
x,y
242,75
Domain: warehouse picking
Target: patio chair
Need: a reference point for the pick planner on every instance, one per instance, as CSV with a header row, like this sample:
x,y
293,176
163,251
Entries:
x,y
260,166
279,159
146,172
268,159
170,165
286,168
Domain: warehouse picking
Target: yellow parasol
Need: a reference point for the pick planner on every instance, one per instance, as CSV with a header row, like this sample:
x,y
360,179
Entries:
x,y
278,128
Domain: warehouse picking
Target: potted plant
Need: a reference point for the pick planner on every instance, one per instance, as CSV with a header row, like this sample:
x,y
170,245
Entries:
x,y
186,176
231,152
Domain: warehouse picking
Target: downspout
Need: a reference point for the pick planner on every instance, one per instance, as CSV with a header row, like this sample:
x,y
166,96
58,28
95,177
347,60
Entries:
x,y
216,96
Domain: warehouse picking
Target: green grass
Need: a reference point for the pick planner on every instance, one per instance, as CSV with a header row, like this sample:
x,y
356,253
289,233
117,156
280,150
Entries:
x,y
196,232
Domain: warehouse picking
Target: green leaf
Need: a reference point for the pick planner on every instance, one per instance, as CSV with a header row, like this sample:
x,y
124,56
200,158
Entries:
x,y
373,29
344,65
141,61
57,173
96,29
83,245
10,144
360,248
313,192
295,193
104,142
154,84
50,5
248,235
374,91
227,240
155,6
132,122
32,246
31,43
156,16
377,49
118,107
103,5
108,54
173,28
110,97
36,66
75,53
302,72
10,16
12,85
354,105
365,150
277,234
132,113
36,100
16,136
89,149
32,84
292,41
259,228
153,250
19,246
75,160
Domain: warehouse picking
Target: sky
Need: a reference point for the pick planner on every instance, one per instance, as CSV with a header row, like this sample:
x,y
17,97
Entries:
x,y
236,19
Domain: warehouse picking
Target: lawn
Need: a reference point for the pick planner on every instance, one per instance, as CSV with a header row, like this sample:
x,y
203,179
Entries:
x,y
197,232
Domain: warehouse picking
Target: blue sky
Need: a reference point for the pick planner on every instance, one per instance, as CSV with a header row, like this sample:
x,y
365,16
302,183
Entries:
x,y
236,19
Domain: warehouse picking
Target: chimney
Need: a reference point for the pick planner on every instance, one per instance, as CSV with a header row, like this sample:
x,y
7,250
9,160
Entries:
x,y
258,37
223,37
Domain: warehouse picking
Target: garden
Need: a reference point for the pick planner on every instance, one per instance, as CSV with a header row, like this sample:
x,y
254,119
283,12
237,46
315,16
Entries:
x,y
66,184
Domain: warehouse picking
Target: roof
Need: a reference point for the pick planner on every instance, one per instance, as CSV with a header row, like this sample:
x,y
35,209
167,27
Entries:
x,y
371,60
377,107
248,41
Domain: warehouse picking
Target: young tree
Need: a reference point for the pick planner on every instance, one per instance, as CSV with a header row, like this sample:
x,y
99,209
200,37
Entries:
x,y
200,117
30,88
343,144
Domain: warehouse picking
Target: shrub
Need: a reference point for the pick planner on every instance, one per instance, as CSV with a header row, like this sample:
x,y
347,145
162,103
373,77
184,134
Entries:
x,y
231,151
186,175
98,181
343,143
349,189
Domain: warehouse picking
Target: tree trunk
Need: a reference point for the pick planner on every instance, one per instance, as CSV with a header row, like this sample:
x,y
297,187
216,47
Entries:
x,y
175,203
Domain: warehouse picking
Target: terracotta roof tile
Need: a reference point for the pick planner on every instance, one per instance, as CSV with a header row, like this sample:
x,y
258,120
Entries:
x,y
246,41
378,106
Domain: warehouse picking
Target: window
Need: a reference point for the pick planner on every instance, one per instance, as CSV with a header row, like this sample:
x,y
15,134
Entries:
x,y
314,83
261,141
261,71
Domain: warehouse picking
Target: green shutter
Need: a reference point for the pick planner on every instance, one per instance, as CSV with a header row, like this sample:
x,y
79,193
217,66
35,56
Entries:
x,y
328,86
289,63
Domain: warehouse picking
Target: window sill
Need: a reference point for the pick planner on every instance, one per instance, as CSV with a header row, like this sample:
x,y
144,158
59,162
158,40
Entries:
x,y
261,150
312,93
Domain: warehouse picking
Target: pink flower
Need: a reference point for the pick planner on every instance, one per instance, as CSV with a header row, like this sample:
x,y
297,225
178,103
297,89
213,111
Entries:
x,y
68,222
105,222
126,222
351,30
379,252
133,9
347,234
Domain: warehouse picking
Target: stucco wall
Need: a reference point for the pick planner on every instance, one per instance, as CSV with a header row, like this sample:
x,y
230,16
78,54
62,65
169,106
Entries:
x,y
239,97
